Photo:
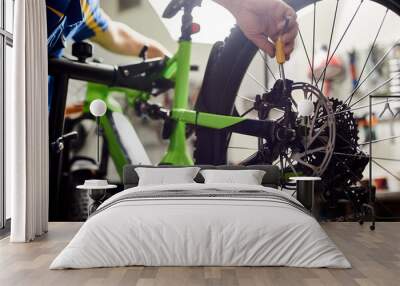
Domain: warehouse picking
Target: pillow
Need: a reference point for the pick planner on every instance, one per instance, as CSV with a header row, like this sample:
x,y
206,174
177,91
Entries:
x,y
166,176
246,177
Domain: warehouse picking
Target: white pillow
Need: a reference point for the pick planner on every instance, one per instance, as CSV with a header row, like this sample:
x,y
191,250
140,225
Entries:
x,y
166,176
247,177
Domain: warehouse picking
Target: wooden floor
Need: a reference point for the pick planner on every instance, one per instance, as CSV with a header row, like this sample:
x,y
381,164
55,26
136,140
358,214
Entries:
x,y
375,257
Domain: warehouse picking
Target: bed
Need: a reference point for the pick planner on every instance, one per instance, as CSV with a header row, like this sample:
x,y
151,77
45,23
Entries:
x,y
201,224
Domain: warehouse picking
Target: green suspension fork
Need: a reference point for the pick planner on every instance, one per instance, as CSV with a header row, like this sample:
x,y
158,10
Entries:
x,y
177,153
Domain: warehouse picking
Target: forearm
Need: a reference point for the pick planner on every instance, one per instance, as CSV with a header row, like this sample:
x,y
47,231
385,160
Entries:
x,y
121,39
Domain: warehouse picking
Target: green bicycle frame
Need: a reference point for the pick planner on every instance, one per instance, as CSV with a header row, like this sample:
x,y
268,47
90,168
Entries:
x,y
177,69
177,152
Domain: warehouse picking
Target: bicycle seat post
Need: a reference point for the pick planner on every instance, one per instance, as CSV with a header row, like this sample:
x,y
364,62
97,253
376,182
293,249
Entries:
x,y
177,152
187,23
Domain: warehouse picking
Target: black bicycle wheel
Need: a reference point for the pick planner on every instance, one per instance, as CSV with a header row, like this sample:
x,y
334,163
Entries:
x,y
226,68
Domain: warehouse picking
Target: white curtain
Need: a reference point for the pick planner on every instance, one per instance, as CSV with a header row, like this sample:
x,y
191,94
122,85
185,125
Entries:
x,y
27,124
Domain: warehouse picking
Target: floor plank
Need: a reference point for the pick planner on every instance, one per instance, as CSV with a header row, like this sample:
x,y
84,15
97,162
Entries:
x,y
375,257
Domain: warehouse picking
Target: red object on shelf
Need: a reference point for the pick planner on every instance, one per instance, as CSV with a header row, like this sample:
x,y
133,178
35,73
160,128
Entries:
x,y
334,71
195,28
381,184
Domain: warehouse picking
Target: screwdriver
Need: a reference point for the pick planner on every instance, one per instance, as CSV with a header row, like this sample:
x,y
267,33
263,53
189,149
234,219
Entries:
x,y
280,54
281,59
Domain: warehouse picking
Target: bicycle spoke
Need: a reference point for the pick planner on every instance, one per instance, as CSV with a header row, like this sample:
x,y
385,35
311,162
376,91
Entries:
x,y
316,112
340,40
296,109
247,112
386,169
242,148
397,75
282,166
285,163
228,140
246,98
307,56
330,42
309,152
348,142
365,156
257,81
266,64
386,159
288,159
351,171
300,161
307,94
378,64
317,134
305,143
313,42
369,55
380,140
358,108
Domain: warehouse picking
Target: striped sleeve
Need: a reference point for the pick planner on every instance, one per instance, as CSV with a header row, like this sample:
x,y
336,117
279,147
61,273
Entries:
x,y
93,23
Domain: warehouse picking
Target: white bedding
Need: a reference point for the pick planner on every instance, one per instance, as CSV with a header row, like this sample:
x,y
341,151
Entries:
x,y
189,231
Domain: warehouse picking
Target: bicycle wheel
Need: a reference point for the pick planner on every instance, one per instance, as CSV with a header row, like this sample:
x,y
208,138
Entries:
x,y
361,24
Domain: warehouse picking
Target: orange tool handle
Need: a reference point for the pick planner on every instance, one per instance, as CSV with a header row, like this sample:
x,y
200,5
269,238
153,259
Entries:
x,y
280,51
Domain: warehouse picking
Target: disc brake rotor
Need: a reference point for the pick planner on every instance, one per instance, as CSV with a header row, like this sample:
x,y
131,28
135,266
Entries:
x,y
311,152
332,142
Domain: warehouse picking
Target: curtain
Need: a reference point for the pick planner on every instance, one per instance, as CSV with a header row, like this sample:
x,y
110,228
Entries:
x,y
27,124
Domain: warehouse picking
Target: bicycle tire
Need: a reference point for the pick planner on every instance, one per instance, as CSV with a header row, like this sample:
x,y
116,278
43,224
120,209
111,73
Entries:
x,y
226,67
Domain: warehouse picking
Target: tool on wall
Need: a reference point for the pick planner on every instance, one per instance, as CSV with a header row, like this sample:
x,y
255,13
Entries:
x,y
394,70
387,108
364,124
353,69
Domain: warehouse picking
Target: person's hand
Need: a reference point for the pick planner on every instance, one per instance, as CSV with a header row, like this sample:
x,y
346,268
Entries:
x,y
156,50
263,21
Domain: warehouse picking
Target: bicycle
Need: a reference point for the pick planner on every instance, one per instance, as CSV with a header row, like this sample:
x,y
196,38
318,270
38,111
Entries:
x,y
299,145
